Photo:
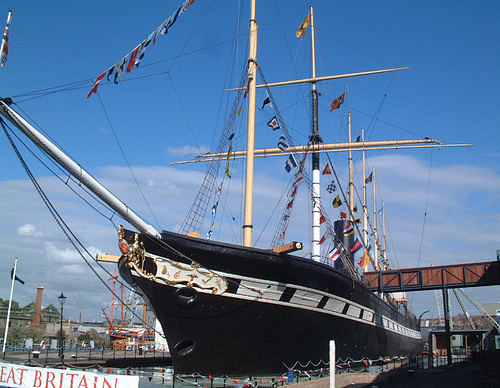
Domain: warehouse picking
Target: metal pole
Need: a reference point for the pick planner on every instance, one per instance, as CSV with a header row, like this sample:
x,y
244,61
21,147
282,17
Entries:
x,y
447,325
61,348
332,364
10,304
62,299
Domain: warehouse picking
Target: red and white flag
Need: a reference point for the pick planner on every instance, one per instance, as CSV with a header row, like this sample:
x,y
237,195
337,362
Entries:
x,y
4,50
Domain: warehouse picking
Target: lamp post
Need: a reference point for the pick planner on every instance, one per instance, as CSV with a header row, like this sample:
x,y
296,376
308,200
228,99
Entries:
x,y
62,300
420,318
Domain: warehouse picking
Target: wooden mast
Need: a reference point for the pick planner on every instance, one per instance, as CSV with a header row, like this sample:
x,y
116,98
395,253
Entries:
x,y
252,66
351,167
375,235
328,147
365,208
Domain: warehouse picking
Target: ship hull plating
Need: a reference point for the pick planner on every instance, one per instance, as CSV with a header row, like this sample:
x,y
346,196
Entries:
x,y
275,311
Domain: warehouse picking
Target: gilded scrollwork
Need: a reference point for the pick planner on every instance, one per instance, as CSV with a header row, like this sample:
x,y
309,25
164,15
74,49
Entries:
x,y
191,275
170,271
134,252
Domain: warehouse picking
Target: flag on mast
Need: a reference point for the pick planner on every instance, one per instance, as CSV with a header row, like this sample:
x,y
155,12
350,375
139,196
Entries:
x,y
337,102
4,50
306,23
15,277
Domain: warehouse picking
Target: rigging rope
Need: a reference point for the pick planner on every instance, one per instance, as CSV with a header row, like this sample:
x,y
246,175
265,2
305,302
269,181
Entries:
x,y
126,160
64,227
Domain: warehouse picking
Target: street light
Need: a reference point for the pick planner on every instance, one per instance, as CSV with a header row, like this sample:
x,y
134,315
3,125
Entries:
x,y
62,300
420,319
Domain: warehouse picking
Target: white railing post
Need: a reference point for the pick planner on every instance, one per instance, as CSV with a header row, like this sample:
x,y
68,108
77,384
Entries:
x,y
332,364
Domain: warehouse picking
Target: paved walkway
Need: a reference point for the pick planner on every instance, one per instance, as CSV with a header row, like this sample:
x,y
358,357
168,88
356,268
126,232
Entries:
x,y
457,376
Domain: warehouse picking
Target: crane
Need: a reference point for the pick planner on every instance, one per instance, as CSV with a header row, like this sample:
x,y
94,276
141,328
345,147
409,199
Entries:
x,y
461,303
483,311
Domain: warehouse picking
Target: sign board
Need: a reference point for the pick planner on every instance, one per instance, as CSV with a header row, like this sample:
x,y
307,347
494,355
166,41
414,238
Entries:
x,y
13,375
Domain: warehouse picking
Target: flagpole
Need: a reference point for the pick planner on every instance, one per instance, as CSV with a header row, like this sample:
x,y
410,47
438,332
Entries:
x,y
10,304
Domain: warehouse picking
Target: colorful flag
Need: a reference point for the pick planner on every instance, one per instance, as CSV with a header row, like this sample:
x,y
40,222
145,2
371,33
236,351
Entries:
x,y
306,23
290,204
298,181
356,247
291,163
355,209
142,49
131,62
273,123
282,143
96,84
343,215
365,260
326,170
322,219
248,88
349,230
357,220
369,179
335,252
120,68
301,166
239,110
323,239
4,50
138,53
358,139
337,102
331,187
266,102
111,71
337,202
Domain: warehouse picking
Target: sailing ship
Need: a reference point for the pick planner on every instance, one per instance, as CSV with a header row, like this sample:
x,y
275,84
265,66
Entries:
x,y
228,308
124,335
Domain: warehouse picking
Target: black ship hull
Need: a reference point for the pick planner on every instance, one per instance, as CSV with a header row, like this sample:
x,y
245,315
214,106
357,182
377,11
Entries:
x,y
266,312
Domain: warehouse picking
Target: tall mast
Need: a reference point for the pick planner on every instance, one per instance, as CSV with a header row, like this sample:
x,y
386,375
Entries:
x,y
252,66
365,209
384,249
375,236
315,139
351,168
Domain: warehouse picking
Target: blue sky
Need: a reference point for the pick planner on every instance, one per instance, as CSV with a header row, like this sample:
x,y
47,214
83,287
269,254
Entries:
x,y
442,204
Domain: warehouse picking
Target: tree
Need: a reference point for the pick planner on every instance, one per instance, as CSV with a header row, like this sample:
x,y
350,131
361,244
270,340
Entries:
x,y
91,335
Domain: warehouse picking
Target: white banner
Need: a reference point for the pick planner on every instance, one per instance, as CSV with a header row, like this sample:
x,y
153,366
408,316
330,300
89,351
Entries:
x,y
12,375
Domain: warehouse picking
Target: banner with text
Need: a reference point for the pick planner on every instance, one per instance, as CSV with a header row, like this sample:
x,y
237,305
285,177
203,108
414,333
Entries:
x,y
13,375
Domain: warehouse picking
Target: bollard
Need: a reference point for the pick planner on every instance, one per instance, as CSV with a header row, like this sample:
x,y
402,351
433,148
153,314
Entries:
x,y
332,364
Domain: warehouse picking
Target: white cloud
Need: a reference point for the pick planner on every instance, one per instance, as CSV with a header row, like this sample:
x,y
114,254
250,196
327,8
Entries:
x,y
187,150
444,225
29,231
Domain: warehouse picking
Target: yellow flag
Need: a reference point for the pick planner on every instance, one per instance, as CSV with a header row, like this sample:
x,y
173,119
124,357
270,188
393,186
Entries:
x,y
337,201
228,156
365,260
306,23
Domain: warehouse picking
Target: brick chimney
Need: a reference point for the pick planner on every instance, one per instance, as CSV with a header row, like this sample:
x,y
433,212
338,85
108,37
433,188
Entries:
x,y
37,315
